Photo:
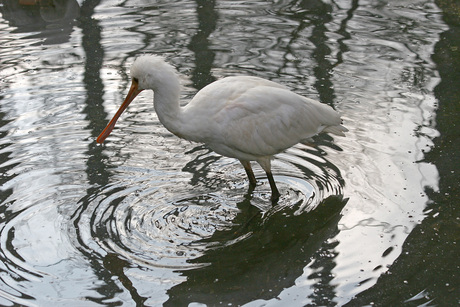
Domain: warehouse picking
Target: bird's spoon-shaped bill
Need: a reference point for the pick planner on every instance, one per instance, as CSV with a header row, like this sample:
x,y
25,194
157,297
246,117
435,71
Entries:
x,y
133,92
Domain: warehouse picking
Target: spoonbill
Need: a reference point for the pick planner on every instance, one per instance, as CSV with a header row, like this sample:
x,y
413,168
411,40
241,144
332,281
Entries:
x,y
243,117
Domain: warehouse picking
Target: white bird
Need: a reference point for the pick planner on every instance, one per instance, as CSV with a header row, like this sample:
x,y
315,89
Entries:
x,y
243,117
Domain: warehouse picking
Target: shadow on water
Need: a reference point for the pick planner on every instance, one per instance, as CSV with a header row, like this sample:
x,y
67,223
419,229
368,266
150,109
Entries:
x,y
317,14
241,269
344,32
199,44
116,266
98,174
433,245
314,14
202,75
199,167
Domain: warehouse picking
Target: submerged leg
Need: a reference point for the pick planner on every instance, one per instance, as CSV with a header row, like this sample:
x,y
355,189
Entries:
x,y
249,172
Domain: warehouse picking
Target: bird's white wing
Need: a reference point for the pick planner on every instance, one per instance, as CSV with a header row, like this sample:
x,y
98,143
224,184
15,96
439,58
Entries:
x,y
220,93
266,120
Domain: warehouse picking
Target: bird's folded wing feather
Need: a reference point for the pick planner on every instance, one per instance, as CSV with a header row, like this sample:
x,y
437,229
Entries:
x,y
266,120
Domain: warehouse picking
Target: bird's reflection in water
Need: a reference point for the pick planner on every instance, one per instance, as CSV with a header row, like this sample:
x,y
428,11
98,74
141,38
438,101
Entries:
x,y
258,256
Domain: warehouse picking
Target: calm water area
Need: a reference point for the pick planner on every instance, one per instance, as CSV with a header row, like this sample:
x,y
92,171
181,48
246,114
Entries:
x,y
148,219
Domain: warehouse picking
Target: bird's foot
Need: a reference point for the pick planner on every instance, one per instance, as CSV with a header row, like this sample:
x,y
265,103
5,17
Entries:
x,y
275,197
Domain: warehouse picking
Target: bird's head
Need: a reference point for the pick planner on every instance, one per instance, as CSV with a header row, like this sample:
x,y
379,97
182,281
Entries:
x,y
152,72
147,72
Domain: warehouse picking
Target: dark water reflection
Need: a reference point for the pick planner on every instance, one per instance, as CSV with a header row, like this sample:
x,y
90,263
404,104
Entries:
x,y
149,219
241,271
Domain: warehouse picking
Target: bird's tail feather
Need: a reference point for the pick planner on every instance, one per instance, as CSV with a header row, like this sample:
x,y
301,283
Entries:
x,y
337,130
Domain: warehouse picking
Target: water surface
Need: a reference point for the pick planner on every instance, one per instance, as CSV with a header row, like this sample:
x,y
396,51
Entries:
x,y
150,219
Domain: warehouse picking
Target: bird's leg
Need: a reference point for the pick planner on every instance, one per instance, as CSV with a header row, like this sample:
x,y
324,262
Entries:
x,y
275,192
249,172
265,162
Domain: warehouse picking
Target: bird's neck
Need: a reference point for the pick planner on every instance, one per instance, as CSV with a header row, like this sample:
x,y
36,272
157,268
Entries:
x,y
166,103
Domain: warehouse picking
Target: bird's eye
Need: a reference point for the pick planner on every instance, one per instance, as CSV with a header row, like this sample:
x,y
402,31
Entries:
x,y
136,80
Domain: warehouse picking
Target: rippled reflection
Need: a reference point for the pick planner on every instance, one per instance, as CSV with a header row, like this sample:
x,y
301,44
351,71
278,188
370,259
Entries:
x,y
150,219
259,256
155,218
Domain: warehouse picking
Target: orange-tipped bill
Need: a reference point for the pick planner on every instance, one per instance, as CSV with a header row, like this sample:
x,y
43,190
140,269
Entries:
x,y
133,92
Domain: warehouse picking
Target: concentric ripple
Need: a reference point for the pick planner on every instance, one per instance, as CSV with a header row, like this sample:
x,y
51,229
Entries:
x,y
148,231
164,221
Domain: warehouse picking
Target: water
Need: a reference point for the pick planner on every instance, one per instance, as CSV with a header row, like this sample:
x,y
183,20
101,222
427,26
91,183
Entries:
x,y
150,219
